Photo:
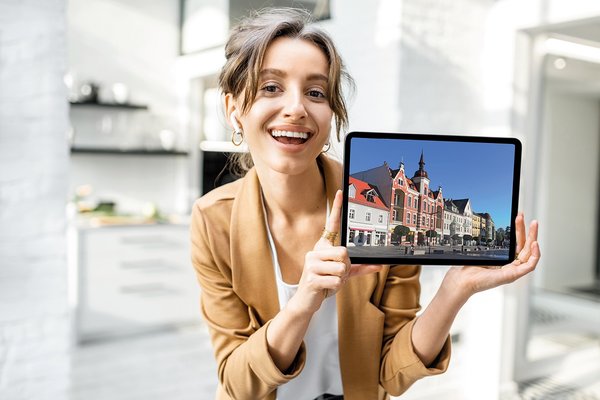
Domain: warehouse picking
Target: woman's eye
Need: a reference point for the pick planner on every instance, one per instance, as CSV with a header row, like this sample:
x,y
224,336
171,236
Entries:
x,y
270,88
316,93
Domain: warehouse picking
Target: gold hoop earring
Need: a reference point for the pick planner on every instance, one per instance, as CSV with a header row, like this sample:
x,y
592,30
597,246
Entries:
x,y
237,137
326,147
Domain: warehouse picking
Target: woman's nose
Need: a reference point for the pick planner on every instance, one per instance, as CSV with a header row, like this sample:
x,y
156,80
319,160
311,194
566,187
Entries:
x,y
294,105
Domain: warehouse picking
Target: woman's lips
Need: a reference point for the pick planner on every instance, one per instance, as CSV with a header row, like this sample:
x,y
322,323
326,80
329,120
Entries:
x,y
289,137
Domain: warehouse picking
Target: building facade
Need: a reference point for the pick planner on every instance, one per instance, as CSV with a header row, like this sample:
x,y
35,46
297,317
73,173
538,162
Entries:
x,y
416,206
368,215
458,221
488,228
476,226
411,202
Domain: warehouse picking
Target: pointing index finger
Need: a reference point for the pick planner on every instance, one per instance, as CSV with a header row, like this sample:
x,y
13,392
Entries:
x,y
333,223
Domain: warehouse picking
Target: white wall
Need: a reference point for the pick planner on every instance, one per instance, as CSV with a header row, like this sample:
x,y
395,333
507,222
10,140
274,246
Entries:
x,y
34,325
133,181
134,42
129,41
570,189
368,38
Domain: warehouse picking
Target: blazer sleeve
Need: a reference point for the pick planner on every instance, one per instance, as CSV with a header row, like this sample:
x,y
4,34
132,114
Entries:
x,y
245,367
400,366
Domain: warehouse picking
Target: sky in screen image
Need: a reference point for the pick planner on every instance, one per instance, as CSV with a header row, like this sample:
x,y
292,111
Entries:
x,y
482,172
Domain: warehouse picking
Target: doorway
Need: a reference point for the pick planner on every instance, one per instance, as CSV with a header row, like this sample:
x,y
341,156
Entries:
x,y
563,317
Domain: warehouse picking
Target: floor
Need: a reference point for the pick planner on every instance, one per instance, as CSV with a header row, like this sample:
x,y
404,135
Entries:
x,y
179,365
174,365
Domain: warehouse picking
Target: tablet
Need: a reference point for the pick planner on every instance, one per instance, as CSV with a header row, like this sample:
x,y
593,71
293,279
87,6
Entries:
x,y
430,199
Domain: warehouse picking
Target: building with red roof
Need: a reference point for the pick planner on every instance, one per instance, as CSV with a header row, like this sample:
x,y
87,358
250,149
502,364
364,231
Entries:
x,y
368,214
410,201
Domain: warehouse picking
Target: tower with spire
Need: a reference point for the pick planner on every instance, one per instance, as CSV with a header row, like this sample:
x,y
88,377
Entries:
x,y
421,179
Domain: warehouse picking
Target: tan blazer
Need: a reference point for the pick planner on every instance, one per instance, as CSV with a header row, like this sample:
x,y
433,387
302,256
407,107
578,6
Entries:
x,y
232,258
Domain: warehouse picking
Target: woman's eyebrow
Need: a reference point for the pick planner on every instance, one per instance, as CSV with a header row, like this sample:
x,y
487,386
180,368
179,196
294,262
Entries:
x,y
318,77
273,71
283,74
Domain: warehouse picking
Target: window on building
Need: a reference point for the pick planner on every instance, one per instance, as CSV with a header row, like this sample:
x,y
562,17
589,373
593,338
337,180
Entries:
x,y
370,197
368,217
380,219
351,213
416,203
415,219
408,217
409,204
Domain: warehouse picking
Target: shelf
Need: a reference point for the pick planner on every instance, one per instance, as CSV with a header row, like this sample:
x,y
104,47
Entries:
x,y
222,146
126,106
140,152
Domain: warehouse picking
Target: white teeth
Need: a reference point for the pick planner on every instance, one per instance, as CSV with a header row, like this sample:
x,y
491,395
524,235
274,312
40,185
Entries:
x,y
278,133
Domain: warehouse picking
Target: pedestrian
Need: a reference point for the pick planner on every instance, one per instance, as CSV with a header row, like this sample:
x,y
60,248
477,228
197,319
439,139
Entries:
x,y
289,316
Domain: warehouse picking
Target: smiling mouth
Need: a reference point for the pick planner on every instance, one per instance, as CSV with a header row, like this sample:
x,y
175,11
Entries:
x,y
289,137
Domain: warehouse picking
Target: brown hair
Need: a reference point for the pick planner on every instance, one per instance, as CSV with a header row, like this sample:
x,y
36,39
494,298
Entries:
x,y
244,53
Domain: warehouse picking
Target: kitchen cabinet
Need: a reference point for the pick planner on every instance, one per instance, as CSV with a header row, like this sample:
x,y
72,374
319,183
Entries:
x,y
134,279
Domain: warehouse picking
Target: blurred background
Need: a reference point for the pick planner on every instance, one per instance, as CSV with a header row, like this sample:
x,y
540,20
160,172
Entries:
x,y
111,126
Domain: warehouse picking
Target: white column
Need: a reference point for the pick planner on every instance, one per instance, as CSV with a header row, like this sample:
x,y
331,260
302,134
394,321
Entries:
x,y
34,324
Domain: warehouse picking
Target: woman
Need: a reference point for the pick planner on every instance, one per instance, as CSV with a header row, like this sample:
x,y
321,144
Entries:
x,y
289,316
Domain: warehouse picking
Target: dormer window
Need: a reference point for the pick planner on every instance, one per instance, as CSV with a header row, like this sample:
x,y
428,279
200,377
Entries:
x,y
370,196
352,191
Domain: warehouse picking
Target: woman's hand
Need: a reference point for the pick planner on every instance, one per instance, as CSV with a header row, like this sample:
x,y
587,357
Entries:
x,y
470,280
327,266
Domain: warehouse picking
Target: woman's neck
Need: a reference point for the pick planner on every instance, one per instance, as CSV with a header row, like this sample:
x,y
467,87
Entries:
x,y
291,196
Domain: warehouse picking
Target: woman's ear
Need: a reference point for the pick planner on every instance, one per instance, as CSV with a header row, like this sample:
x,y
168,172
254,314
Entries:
x,y
231,112
234,123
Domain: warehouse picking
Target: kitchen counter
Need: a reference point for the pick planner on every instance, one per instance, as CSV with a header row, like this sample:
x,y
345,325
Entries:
x,y
90,220
130,275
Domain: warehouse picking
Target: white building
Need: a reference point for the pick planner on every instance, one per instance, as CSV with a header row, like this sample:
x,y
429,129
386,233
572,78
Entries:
x,y
458,220
368,214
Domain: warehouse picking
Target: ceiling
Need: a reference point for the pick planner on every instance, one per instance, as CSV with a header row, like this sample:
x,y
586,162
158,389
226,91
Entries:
x,y
577,76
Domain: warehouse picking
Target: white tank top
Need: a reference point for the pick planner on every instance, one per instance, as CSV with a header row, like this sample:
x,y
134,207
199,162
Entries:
x,y
321,373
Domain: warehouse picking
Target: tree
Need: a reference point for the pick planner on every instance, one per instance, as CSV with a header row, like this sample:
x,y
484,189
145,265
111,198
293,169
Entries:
x,y
500,235
401,230
455,238
398,232
431,234
420,238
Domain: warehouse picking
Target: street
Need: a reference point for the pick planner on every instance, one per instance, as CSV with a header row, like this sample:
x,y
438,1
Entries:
x,y
433,252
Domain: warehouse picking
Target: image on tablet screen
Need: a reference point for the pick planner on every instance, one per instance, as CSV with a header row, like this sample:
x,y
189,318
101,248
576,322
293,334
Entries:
x,y
429,199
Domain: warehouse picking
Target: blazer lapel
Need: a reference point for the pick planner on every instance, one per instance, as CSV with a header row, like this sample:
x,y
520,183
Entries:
x,y
251,261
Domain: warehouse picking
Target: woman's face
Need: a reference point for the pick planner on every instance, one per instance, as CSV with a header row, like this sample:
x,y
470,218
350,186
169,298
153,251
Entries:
x,y
290,119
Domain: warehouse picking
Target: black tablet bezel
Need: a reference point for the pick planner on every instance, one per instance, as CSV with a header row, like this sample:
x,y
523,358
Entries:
x,y
432,137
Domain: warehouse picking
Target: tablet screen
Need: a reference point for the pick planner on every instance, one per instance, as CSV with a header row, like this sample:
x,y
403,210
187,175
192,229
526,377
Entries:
x,y
430,199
